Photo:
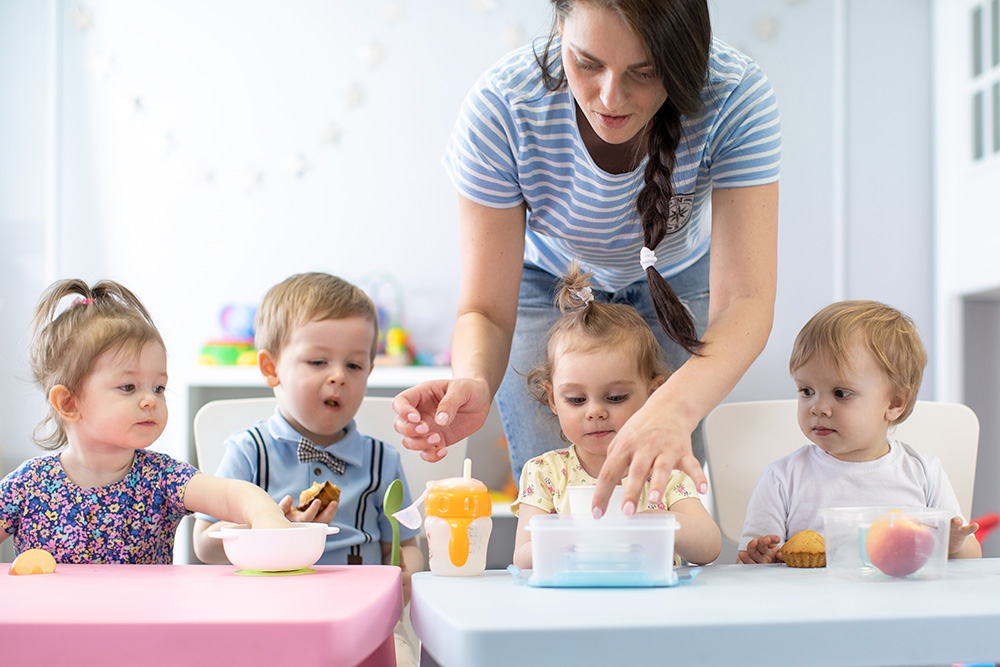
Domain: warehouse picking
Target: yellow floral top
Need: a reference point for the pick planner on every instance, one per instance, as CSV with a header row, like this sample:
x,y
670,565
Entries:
x,y
544,481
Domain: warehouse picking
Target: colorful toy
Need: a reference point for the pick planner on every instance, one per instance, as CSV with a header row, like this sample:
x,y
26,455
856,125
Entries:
x,y
987,524
236,347
394,347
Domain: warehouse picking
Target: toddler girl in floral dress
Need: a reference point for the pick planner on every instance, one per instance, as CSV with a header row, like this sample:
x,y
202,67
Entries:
x,y
103,497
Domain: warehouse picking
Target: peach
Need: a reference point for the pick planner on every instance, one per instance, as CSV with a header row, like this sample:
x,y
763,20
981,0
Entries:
x,y
33,561
898,546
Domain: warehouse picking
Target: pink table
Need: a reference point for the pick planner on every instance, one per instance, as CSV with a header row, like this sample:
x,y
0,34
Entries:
x,y
128,615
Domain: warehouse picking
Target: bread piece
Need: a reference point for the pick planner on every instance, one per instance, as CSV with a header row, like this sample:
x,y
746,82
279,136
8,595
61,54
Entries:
x,y
805,548
326,492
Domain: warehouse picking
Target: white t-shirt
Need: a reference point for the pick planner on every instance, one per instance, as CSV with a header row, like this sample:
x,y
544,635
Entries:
x,y
791,491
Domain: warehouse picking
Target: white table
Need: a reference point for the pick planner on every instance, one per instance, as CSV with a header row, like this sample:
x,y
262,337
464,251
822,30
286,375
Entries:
x,y
729,615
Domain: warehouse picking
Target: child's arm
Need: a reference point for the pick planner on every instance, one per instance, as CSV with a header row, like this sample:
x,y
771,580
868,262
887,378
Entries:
x,y
411,560
522,540
761,550
961,542
698,540
233,500
209,549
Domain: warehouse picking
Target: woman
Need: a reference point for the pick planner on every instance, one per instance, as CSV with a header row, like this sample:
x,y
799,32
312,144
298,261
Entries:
x,y
639,146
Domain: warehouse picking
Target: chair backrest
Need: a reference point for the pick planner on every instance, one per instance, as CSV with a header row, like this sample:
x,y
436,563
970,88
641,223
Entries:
x,y
742,438
217,420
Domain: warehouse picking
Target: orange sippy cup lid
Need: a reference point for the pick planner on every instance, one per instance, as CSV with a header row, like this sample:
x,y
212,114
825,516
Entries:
x,y
458,497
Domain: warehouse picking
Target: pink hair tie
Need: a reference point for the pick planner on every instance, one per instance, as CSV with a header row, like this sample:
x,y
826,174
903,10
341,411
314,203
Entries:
x,y
80,301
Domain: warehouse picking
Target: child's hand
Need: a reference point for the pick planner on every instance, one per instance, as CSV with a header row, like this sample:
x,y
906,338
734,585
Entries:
x,y
761,550
271,521
958,535
311,514
406,577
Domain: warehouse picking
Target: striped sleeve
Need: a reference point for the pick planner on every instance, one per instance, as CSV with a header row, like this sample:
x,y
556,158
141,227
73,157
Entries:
x,y
746,147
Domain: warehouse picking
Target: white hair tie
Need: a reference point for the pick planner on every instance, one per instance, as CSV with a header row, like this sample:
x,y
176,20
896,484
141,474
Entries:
x,y
647,258
586,295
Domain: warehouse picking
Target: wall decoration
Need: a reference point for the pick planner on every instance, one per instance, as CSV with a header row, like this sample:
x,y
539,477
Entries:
x,y
372,54
83,18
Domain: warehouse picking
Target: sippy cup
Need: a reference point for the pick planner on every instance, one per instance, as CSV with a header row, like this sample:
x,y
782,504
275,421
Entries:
x,y
458,524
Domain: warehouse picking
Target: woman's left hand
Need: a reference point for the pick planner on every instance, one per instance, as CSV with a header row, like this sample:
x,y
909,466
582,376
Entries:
x,y
650,446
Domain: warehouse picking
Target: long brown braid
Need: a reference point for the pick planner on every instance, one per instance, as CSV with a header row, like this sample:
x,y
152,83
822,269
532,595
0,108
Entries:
x,y
676,35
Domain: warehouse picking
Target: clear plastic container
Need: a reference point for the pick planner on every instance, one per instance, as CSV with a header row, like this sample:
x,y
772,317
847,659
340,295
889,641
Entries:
x,y
881,542
613,551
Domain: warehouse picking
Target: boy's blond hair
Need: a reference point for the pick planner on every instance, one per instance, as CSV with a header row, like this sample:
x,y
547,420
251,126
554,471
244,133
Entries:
x,y
309,297
887,333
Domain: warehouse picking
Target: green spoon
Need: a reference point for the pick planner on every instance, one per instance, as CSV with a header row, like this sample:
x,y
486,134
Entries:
x,y
391,504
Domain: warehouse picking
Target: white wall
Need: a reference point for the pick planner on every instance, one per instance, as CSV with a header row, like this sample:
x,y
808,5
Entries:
x,y
967,290
854,89
231,88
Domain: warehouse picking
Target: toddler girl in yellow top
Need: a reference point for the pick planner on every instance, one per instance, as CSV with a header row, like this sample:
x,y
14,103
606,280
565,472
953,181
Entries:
x,y
601,364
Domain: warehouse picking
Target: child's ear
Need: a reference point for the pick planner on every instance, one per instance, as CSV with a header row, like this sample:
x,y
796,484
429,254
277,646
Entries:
x,y
896,406
268,368
64,402
551,395
656,382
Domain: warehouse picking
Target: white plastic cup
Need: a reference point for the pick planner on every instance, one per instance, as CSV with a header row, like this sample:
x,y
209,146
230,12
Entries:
x,y
581,498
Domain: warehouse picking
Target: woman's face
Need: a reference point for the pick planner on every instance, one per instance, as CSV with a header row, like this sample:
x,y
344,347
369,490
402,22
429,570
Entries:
x,y
608,72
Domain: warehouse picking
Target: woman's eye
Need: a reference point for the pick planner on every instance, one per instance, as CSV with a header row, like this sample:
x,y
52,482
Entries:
x,y
586,66
644,76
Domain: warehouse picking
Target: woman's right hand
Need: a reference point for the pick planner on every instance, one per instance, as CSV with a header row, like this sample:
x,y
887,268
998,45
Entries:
x,y
438,413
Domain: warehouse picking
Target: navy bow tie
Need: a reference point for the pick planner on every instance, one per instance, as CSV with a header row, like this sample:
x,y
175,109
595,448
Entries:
x,y
309,452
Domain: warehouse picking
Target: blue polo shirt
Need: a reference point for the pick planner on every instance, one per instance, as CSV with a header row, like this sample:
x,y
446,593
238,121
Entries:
x,y
371,466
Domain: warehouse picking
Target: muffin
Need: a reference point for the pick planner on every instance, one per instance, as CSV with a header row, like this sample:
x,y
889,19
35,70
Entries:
x,y
805,549
326,492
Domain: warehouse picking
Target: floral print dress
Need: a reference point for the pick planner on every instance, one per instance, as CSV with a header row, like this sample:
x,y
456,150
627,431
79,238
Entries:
x,y
130,521
544,481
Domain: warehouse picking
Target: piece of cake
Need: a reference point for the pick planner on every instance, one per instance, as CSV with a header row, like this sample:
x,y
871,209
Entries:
x,y
326,492
805,548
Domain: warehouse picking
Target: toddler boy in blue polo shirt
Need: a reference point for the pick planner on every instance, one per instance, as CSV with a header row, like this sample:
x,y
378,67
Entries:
x,y
317,336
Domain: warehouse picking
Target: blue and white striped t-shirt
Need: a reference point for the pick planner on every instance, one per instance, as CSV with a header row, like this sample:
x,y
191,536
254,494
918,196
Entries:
x,y
516,141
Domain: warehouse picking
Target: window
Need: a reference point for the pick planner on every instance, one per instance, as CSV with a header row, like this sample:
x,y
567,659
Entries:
x,y
984,23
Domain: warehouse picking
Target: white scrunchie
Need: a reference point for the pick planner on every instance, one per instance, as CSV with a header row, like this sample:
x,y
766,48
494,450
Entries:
x,y
647,258
586,295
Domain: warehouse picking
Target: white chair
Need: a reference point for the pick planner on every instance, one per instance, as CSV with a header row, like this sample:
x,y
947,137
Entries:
x,y
217,420
742,438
